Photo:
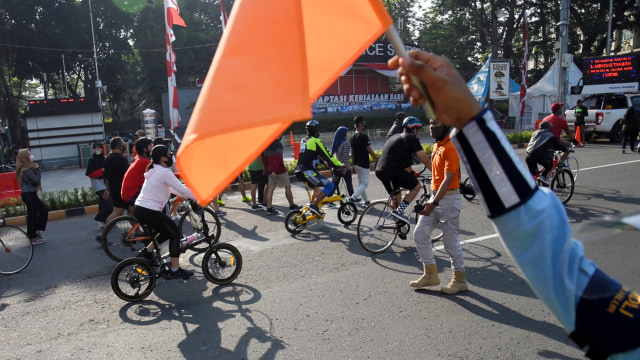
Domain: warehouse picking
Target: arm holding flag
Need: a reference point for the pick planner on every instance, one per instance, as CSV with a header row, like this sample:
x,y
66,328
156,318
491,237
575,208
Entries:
x,y
588,303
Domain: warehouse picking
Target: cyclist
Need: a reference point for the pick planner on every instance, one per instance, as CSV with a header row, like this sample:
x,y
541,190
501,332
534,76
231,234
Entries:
x,y
159,183
559,123
540,150
312,151
134,177
394,165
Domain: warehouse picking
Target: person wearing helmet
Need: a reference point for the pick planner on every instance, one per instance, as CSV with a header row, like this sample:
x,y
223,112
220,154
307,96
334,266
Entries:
x,y
394,165
540,150
312,152
158,185
600,314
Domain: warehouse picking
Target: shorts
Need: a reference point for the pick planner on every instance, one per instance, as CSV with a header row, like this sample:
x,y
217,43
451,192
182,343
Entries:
x,y
117,200
315,179
280,179
396,180
257,177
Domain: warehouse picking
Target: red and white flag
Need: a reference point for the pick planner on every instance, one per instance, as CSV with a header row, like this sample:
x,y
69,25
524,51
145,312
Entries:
x,y
172,17
223,15
525,61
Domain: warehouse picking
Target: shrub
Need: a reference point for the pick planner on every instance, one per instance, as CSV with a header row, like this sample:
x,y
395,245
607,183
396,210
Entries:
x,y
58,200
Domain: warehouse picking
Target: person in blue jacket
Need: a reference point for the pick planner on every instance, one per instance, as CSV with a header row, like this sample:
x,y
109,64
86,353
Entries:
x,y
601,315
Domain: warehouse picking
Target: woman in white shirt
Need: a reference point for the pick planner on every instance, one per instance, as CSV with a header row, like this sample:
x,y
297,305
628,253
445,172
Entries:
x,y
159,184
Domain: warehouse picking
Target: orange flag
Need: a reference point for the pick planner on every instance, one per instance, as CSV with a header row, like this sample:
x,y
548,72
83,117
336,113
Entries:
x,y
274,59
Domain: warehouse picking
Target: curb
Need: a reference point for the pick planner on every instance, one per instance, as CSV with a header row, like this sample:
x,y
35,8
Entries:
x,y
92,209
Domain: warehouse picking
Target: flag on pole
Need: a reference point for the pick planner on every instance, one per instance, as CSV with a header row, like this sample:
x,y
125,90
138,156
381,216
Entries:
x,y
172,17
223,16
268,69
525,61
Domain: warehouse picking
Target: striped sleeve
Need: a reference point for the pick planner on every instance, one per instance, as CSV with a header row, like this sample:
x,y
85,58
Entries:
x,y
500,178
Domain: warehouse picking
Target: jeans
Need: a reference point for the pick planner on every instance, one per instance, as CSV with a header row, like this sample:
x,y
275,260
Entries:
x,y
363,182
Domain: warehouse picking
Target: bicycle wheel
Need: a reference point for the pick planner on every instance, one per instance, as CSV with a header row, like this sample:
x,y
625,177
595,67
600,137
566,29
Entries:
x,y
222,263
294,222
16,250
562,184
574,167
347,213
207,224
118,238
377,229
133,279
467,190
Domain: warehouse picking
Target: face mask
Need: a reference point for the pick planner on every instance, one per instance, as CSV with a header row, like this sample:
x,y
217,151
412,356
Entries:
x,y
98,152
437,132
169,161
32,158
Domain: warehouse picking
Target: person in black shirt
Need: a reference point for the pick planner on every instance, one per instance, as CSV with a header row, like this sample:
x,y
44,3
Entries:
x,y
115,166
394,165
360,151
396,128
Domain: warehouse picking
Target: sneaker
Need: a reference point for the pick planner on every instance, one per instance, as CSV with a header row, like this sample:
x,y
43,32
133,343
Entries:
x,y
256,207
272,211
367,203
623,151
244,199
221,213
400,216
357,200
98,238
145,255
295,207
180,274
263,205
100,225
38,240
314,209
221,203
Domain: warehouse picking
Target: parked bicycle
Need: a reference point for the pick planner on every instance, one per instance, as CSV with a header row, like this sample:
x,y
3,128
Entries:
x,y
562,179
378,229
123,236
16,249
133,279
296,220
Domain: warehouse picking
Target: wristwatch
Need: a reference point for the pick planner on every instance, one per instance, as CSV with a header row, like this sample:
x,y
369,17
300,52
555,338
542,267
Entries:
x,y
435,202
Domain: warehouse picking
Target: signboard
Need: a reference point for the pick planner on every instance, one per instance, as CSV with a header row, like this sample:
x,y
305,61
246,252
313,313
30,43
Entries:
x,y
499,80
610,74
379,52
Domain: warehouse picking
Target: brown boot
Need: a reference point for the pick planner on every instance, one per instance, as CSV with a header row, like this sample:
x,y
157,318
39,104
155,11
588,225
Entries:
x,y
429,278
458,283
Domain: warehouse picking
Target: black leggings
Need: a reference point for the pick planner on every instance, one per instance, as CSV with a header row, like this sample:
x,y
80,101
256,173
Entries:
x,y
160,222
37,213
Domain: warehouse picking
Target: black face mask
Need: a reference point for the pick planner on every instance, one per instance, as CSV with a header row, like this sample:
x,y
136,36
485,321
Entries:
x,y
438,132
169,161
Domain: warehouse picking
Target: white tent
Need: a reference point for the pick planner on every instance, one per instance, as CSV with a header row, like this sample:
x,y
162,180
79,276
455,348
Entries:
x,y
541,95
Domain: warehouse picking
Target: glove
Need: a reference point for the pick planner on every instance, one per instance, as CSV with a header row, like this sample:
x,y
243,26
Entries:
x,y
418,207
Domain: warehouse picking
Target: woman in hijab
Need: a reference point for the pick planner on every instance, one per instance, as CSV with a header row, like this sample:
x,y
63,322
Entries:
x,y
341,149
96,175
28,176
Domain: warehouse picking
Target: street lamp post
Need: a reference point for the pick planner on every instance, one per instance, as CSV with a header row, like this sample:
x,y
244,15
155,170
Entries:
x,y
98,82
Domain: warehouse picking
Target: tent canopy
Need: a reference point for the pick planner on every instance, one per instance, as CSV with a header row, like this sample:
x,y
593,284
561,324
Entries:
x,y
541,95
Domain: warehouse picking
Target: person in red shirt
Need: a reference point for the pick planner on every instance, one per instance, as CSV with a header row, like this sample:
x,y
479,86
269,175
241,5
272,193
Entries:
x,y
559,123
134,177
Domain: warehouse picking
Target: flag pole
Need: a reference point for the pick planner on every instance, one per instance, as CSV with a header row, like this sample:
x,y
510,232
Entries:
x,y
394,38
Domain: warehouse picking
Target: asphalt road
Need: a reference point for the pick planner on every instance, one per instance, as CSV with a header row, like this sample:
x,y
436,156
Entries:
x,y
316,295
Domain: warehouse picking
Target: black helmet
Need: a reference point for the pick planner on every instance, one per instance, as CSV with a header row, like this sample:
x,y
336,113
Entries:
x,y
313,127
411,122
158,152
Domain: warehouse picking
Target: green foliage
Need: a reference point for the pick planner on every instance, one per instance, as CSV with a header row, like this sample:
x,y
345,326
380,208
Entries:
x,y
520,138
58,200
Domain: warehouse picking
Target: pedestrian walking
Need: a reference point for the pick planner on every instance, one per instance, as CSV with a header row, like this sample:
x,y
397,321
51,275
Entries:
x,y
630,128
341,149
96,176
360,151
277,175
